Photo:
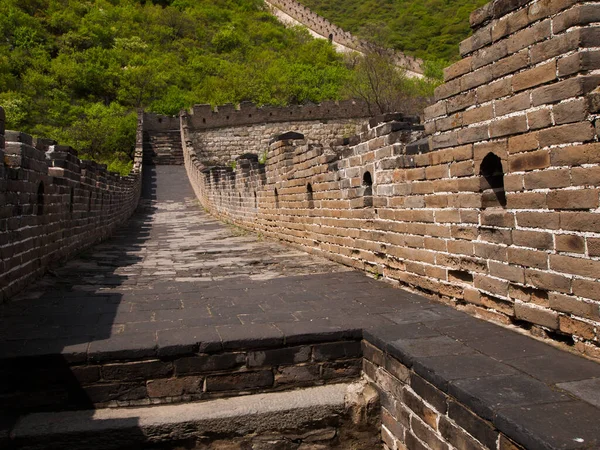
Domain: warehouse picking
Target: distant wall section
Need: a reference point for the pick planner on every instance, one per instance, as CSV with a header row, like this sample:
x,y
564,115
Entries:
x,y
337,35
220,136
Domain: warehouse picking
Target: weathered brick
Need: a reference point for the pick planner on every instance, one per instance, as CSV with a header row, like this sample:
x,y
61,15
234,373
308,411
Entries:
x,y
174,387
537,315
508,126
529,161
239,381
541,74
573,199
575,132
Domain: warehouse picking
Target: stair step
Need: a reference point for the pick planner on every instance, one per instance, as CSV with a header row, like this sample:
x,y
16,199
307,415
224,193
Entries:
x,y
122,428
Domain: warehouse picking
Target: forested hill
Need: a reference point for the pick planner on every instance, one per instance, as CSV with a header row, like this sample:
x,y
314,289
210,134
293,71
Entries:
x,y
76,70
428,29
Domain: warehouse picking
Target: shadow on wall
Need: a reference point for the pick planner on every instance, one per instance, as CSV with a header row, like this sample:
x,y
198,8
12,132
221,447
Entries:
x,y
55,337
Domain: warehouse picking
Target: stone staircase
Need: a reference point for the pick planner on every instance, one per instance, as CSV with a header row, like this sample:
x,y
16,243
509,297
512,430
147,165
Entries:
x,y
163,148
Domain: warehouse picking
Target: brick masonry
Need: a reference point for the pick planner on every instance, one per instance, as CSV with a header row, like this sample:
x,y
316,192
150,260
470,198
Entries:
x,y
493,208
52,204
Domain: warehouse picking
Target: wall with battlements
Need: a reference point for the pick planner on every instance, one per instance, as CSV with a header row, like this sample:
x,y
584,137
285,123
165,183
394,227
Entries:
x,y
323,27
494,208
52,204
220,136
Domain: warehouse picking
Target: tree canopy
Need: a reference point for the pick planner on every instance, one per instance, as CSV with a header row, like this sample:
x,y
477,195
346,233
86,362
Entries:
x,y
76,70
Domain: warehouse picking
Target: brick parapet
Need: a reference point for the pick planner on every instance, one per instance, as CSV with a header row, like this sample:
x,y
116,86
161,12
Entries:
x,y
54,205
432,222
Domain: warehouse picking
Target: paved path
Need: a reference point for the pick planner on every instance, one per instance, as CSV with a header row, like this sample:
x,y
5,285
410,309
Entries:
x,y
174,267
174,277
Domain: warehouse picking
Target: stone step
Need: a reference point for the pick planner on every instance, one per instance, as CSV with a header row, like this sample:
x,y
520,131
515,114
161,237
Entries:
x,y
311,415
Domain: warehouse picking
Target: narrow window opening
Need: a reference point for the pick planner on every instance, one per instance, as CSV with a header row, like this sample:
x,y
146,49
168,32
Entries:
x,y
203,120
255,200
493,181
240,198
40,199
309,196
367,183
276,198
330,37
72,200
90,202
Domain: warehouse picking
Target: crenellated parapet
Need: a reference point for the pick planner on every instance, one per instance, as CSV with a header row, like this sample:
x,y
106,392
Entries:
x,y
204,117
55,204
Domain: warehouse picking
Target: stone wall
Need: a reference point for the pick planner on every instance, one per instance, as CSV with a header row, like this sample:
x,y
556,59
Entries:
x,y
495,212
222,135
53,204
327,30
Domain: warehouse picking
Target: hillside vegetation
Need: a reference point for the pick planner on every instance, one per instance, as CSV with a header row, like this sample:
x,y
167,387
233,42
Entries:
x,y
76,70
428,29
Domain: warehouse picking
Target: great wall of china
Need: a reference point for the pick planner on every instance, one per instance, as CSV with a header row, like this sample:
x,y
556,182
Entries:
x,y
489,205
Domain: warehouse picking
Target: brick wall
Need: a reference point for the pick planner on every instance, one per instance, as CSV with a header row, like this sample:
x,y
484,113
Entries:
x,y
162,140
493,209
53,204
222,135
323,27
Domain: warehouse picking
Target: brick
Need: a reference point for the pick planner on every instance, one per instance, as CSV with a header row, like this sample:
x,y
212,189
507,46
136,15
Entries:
x,y
279,356
209,363
576,327
539,316
478,114
575,155
480,38
586,289
481,15
548,281
426,435
512,104
488,55
509,24
579,15
308,373
508,126
573,199
482,430
445,91
429,393
523,143
460,102
436,110
396,368
547,179
240,381
575,306
395,428
137,370
580,221
507,272
476,78
571,111
457,69
456,436
509,65
528,258
575,132
337,350
416,405
529,36
538,119
570,243
578,62
585,176
576,266
473,134
497,89
570,88
174,387
535,239
529,161
541,74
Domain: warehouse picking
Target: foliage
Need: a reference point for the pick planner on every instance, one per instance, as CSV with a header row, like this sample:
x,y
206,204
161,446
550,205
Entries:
x,y
376,80
429,29
76,71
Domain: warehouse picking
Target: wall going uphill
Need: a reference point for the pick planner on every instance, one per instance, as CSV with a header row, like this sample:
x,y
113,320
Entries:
x,y
493,208
53,204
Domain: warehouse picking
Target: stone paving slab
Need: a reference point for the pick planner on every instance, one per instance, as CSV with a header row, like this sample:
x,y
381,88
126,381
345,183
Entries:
x,y
174,281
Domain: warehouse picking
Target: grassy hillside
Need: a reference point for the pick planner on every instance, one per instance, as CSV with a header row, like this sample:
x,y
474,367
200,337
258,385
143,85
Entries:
x,y
76,70
429,29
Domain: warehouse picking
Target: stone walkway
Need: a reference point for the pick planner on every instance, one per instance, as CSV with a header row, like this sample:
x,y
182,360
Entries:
x,y
174,280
